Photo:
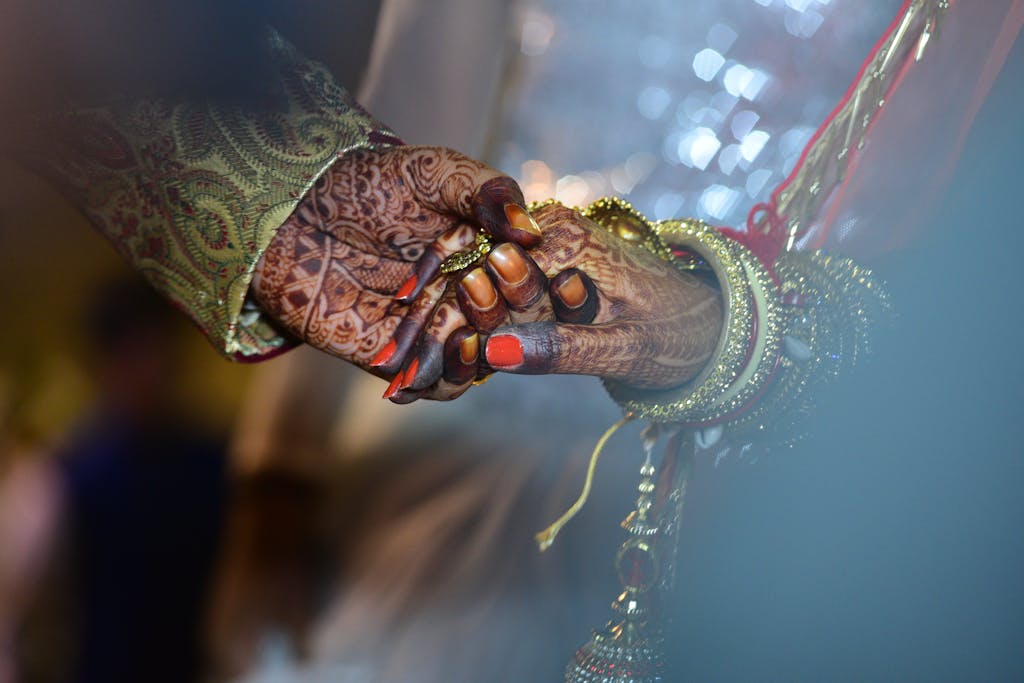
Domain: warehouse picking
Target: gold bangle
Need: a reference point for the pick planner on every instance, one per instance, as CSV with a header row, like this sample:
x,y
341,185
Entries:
x,y
694,401
745,354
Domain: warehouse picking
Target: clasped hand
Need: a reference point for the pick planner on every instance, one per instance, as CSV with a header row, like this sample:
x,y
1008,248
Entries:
x,y
355,272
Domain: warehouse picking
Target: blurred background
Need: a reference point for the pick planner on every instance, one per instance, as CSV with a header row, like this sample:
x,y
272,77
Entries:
x,y
166,515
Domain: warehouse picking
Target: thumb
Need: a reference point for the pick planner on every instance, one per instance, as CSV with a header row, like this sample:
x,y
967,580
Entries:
x,y
615,350
452,183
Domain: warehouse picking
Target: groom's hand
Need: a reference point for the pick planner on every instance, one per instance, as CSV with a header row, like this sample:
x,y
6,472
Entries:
x,y
370,237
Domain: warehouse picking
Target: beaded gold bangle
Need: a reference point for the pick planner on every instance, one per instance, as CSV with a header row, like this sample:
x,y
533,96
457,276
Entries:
x,y
722,256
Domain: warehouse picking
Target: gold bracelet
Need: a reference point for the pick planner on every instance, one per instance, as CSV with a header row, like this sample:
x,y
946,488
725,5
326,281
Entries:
x,y
462,260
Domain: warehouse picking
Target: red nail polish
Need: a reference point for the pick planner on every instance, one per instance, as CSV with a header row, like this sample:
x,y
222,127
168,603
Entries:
x,y
407,288
410,373
393,387
384,355
504,351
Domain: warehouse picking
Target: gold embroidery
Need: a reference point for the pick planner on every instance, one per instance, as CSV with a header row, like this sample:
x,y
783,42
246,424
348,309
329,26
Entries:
x,y
193,193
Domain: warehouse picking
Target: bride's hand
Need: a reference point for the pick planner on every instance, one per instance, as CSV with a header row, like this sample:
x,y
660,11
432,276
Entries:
x,y
370,234
654,327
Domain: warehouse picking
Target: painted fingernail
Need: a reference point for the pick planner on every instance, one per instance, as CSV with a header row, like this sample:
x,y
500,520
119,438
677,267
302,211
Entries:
x,y
407,288
572,291
504,351
410,374
520,219
384,355
394,387
509,263
479,288
461,353
469,348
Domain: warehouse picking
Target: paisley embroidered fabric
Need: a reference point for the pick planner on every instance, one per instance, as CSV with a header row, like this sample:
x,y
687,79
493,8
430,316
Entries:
x,y
192,193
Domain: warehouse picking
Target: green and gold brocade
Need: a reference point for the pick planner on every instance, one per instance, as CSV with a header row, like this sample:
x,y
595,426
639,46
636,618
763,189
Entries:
x,y
192,193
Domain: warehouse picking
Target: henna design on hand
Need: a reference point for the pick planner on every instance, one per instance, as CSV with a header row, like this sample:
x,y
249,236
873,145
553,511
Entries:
x,y
655,326
365,232
369,229
328,293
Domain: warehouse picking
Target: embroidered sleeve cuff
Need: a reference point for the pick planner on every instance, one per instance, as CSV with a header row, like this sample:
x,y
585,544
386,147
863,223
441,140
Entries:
x,y
192,193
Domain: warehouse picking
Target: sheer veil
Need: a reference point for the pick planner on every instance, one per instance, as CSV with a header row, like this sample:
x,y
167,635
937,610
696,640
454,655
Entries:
x,y
887,151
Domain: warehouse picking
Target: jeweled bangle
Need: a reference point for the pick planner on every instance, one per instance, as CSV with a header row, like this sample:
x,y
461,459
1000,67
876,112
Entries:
x,y
831,304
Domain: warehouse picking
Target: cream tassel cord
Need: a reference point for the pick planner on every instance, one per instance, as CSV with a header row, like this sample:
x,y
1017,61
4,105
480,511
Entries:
x,y
547,537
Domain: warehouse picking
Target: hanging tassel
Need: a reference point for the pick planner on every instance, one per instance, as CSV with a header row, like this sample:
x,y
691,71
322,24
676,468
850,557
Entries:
x,y
631,647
